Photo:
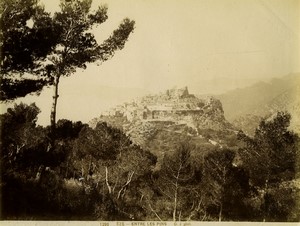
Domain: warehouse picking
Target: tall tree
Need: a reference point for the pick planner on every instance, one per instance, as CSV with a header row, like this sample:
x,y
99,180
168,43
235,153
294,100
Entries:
x,y
76,45
216,175
72,44
270,158
176,182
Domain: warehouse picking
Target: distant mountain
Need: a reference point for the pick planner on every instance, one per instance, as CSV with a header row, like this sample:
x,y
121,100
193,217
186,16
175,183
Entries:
x,y
219,85
246,107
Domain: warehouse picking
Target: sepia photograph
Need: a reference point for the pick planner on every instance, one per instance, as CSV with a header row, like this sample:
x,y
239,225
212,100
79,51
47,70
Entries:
x,y
169,112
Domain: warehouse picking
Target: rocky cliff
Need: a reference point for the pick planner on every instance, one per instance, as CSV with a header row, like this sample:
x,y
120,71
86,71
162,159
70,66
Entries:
x,y
142,118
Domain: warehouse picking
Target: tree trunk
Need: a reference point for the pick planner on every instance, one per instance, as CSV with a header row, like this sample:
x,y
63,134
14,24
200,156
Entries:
x,y
154,212
106,180
175,204
54,103
220,212
222,193
176,193
123,188
264,200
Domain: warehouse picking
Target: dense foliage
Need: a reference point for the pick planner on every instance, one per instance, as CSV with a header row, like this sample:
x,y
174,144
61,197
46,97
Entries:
x,y
99,174
32,41
23,46
270,157
48,48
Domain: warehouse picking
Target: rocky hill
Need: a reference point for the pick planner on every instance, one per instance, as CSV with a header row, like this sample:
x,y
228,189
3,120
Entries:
x,y
174,111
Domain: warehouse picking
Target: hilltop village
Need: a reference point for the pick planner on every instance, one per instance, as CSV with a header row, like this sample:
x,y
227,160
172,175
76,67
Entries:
x,y
171,105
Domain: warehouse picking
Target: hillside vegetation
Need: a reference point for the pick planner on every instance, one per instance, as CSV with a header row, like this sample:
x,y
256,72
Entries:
x,y
100,174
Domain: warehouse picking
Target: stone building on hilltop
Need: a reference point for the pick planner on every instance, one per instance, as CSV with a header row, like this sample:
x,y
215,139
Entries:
x,y
173,105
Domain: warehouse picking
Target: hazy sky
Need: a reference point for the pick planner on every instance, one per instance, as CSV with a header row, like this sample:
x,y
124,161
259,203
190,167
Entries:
x,y
209,45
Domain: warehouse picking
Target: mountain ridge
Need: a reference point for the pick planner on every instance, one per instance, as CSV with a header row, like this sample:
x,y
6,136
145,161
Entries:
x,y
244,108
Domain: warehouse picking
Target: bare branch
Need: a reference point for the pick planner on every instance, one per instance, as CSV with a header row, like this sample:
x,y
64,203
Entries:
x,y
129,178
154,212
165,193
113,190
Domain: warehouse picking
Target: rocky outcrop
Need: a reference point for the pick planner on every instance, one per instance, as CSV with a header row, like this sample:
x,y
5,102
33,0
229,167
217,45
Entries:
x,y
175,106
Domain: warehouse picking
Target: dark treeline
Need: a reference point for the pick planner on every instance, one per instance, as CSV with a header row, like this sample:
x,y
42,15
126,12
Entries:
x,y
99,174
